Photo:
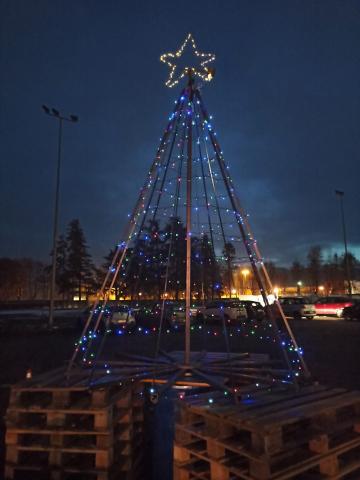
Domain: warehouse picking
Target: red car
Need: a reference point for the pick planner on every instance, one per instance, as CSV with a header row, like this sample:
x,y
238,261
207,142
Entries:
x,y
332,305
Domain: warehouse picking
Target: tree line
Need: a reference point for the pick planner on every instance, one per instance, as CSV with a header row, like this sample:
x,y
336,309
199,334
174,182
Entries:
x,y
157,256
28,279
328,272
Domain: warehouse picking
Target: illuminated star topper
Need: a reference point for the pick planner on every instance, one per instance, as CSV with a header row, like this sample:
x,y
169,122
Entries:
x,y
203,72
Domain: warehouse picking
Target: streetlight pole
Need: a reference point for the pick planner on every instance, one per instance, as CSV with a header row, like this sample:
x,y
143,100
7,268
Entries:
x,y
72,118
341,194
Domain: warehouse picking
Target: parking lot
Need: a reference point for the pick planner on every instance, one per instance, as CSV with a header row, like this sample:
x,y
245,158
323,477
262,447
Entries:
x,y
331,347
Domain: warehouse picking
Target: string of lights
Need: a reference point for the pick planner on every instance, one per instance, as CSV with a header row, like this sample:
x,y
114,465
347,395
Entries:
x,y
204,72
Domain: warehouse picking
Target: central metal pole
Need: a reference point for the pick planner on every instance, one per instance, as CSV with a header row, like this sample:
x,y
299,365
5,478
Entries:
x,y
188,222
55,229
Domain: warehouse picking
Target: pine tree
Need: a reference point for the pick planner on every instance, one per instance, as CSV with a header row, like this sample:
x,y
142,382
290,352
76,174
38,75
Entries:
x,y
62,277
80,269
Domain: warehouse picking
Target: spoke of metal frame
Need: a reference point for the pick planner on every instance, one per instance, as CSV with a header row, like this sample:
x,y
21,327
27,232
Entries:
x,y
178,114
211,381
252,258
211,176
206,198
217,206
253,255
174,220
146,211
128,231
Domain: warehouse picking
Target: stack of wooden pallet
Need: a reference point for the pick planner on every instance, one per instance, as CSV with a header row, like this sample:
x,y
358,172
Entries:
x,y
313,433
56,431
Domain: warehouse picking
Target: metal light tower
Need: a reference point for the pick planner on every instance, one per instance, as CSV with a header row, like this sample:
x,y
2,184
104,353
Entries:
x,y
73,119
189,196
340,194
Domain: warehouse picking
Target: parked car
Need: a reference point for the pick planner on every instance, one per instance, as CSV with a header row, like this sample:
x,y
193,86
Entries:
x,y
179,313
112,316
149,316
297,307
85,314
332,305
254,310
122,316
352,312
232,310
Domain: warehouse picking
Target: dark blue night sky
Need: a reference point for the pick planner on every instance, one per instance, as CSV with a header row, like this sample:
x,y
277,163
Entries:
x,y
285,101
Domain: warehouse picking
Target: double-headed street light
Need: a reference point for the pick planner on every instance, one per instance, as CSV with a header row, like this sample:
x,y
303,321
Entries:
x,y
340,195
73,119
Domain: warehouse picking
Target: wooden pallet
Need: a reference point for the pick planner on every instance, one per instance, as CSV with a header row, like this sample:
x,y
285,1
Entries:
x,y
271,435
58,431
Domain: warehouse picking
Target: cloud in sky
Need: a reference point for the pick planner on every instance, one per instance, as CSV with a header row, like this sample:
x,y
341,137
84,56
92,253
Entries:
x,y
285,101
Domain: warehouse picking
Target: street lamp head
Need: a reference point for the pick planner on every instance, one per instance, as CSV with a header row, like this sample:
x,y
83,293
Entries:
x,y
46,109
74,118
339,193
55,112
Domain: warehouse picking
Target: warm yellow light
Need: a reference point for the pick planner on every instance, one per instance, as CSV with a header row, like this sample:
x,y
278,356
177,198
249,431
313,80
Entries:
x,y
204,72
276,291
140,293
233,291
321,288
245,272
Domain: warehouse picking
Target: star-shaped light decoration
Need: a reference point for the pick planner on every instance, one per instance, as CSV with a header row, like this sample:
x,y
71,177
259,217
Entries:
x,y
204,72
